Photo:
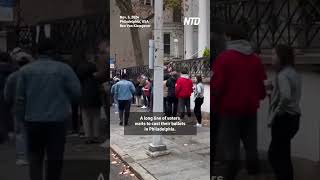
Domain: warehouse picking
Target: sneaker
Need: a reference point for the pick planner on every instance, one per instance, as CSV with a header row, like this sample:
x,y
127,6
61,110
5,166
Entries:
x,y
21,162
199,125
82,135
144,107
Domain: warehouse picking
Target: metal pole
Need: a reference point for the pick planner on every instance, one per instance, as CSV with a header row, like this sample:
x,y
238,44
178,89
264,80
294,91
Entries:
x,y
151,54
157,147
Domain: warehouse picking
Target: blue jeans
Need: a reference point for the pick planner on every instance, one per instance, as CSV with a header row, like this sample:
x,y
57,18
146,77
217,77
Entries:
x,y
21,152
124,110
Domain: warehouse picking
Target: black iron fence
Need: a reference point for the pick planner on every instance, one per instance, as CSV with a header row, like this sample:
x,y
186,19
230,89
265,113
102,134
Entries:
x,y
81,32
68,34
195,67
270,22
26,37
133,72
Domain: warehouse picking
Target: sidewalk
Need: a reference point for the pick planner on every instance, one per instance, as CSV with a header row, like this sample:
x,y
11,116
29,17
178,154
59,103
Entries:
x,y
77,156
189,158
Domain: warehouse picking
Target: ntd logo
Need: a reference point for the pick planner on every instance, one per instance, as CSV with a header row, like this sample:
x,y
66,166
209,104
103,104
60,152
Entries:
x,y
191,21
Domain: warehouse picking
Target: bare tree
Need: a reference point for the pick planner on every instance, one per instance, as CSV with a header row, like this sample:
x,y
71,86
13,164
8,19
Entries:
x,y
126,9
135,7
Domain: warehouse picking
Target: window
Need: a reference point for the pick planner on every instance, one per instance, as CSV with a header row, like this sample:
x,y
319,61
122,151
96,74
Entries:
x,y
146,2
166,43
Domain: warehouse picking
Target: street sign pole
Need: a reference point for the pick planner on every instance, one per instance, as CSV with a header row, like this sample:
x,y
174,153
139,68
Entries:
x,y
151,54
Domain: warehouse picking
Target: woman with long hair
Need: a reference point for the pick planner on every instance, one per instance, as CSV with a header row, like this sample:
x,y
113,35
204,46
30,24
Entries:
x,y
199,97
284,111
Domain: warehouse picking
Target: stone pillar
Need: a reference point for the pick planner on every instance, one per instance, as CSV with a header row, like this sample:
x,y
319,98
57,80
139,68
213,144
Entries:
x,y
203,27
188,31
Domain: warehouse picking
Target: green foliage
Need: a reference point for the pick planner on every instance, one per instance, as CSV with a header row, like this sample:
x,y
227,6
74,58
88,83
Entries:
x,y
173,3
206,53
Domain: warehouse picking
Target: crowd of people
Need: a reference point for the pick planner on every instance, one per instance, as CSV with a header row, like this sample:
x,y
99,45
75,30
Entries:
x,y
238,85
44,98
177,87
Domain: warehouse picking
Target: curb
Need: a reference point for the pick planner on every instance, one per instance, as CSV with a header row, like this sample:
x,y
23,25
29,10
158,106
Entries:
x,y
136,168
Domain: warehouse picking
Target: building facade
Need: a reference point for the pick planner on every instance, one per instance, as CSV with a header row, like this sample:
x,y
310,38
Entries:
x,y
179,41
35,11
30,13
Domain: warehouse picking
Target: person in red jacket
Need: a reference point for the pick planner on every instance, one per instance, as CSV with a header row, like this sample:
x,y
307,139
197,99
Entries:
x,y
238,87
184,89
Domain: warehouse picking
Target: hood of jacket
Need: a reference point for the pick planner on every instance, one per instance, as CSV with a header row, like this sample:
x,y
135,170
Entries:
x,y
242,46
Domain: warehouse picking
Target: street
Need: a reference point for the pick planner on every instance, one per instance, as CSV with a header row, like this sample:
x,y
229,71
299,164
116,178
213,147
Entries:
x,y
119,170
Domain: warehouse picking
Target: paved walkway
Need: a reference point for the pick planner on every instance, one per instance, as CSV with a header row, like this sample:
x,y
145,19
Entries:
x,y
91,160
189,158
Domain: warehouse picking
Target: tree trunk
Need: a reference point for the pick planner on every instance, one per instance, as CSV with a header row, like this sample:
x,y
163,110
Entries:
x,y
125,7
137,50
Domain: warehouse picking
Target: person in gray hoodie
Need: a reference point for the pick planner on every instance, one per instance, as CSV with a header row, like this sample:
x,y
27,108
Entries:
x,y
285,111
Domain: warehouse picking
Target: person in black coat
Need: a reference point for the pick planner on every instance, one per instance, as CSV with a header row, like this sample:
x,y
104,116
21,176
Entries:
x,y
6,119
91,101
172,100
